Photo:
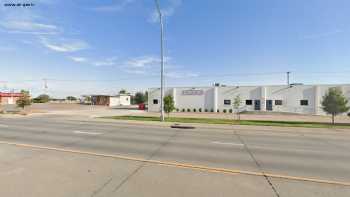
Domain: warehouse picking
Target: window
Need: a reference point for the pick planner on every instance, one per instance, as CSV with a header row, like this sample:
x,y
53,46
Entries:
x,y
155,101
278,102
249,102
304,102
227,102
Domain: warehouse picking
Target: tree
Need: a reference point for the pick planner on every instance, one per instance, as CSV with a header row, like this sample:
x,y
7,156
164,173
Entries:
x,y
139,98
146,96
86,99
24,99
71,98
43,98
122,91
169,104
236,105
334,102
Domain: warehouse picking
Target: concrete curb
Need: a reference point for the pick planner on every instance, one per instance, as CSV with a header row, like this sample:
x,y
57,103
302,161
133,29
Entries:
x,y
217,126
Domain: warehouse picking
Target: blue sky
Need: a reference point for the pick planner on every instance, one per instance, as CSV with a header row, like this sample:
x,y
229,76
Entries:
x,y
87,46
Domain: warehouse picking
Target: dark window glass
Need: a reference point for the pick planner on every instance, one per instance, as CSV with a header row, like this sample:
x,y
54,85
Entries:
x,y
227,102
304,102
278,102
249,102
155,101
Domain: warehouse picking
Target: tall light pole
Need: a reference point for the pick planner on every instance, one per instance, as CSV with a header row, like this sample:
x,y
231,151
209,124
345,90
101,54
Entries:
x,y
161,62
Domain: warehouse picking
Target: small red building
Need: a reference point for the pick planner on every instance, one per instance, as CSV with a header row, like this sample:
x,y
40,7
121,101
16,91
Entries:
x,y
9,98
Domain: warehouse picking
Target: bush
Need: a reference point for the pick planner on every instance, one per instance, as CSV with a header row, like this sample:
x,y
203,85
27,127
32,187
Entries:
x,y
183,110
218,111
169,104
231,111
212,110
206,110
177,110
349,114
200,109
43,98
188,110
224,111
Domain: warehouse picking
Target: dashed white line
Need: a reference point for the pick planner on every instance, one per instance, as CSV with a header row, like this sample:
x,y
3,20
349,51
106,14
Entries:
x,y
87,133
4,126
227,143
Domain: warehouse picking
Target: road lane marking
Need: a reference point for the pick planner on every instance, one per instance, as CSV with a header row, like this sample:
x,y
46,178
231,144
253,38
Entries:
x,y
86,132
183,165
4,126
227,143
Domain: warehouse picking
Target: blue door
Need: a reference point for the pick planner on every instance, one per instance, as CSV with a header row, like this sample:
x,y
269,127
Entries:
x,y
269,105
257,105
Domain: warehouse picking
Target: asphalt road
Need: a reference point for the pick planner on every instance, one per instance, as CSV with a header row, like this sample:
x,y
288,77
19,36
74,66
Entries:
x,y
117,160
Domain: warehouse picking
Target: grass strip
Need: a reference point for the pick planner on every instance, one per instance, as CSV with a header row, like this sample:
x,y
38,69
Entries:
x,y
234,122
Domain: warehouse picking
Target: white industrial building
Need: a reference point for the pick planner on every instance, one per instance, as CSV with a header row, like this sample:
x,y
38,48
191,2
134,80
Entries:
x,y
111,101
295,98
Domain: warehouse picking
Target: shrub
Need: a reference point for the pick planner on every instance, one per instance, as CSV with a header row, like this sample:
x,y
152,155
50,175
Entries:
x,y
218,110
212,110
224,111
177,110
231,111
349,114
169,104
188,110
334,102
200,109
206,110
194,110
183,110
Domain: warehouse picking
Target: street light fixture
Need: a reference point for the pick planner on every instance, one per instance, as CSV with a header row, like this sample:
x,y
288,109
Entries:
x,y
161,62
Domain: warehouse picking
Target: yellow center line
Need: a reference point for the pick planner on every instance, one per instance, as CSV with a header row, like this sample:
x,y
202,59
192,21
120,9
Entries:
x,y
182,165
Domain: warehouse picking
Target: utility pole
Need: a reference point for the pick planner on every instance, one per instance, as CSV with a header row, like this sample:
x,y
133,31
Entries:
x,y
288,78
161,61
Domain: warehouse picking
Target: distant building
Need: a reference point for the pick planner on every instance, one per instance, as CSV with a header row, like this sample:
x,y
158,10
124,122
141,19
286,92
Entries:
x,y
294,98
9,98
111,101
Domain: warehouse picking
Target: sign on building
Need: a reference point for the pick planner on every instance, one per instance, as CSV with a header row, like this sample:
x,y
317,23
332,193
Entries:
x,y
192,92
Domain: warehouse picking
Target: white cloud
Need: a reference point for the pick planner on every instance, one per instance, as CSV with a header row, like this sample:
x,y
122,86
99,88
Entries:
x,y
144,65
110,61
64,45
180,74
107,62
142,62
166,12
118,6
150,65
26,21
29,27
78,59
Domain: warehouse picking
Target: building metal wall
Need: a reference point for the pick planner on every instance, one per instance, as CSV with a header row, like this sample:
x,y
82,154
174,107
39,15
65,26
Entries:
x,y
121,100
212,98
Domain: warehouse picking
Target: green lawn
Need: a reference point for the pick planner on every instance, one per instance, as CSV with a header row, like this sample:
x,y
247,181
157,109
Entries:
x,y
235,122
